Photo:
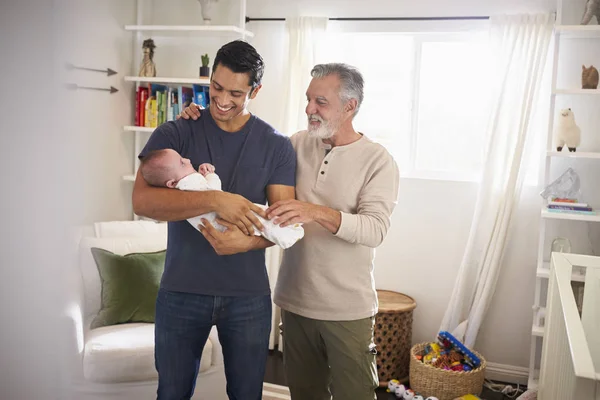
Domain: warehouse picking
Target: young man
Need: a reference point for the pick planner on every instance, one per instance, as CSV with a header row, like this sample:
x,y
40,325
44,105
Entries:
x,y
218,278
346,188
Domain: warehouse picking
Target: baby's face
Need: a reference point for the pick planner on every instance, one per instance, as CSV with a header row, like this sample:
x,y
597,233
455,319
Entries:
x,y
179,167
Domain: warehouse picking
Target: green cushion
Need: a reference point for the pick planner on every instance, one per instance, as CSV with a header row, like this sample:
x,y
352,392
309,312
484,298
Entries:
x,y
129,286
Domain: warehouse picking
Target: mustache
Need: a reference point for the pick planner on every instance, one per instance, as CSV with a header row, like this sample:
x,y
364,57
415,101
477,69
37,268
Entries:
x,y
315,117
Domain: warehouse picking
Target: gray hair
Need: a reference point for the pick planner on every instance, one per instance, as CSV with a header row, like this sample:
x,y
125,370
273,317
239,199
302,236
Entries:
x,y
351,79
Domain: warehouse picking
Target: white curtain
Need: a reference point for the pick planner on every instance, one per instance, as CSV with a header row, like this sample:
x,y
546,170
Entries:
x,y
519,45
305,34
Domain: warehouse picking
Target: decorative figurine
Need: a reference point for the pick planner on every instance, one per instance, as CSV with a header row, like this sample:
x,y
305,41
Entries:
x,y
567,132
589,77
148,68
207,10
592,9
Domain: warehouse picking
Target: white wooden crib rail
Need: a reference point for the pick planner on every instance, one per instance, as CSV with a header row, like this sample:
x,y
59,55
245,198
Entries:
x,y
571,345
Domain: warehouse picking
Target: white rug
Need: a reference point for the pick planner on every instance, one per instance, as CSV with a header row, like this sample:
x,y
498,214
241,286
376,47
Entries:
x,y
275,392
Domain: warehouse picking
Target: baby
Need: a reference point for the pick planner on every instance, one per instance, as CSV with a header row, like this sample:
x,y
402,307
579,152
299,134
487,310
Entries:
x,y
166,168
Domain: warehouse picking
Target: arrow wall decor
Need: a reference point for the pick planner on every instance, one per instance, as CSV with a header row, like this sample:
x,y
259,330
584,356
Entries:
x,y
74,86
107,71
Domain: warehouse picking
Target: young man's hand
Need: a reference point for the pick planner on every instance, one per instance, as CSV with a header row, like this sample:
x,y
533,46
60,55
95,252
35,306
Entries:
x,y
238,210
232,241
192,111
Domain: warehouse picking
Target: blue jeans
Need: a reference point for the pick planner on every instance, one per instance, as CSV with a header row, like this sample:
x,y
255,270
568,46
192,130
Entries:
x,y
183,323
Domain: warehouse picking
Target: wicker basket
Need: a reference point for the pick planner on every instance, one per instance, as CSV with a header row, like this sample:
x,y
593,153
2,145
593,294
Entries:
x,y
393,335
443,384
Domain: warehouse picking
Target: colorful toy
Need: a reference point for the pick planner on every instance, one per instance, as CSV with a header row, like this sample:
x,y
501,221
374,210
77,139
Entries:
x,y
450,342
409,394
392,385
468,397
399,392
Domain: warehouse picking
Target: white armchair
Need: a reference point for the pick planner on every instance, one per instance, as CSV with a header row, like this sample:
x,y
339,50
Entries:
x,y
117,362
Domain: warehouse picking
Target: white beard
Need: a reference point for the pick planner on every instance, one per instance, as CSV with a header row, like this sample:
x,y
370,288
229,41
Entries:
x,y
324,131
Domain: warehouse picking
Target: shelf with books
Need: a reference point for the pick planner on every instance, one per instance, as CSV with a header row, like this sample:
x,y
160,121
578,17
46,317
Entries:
x,y
568,154
168,80
226,29
156,104
594,216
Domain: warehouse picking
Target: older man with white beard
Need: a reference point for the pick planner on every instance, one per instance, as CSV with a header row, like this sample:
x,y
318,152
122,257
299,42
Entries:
x,y
346,190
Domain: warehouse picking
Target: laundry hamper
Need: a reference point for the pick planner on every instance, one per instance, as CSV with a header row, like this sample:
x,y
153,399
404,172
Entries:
x,y
393,335
443,384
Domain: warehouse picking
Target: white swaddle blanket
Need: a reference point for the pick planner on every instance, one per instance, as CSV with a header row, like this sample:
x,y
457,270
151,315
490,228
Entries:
x,y
283,237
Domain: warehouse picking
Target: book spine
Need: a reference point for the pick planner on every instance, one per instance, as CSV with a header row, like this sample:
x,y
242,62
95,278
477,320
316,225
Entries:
x,y
553,210
143,99
138,93
569,208
567,203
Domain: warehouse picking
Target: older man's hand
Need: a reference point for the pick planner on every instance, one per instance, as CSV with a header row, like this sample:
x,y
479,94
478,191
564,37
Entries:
x,y
290,212
192,111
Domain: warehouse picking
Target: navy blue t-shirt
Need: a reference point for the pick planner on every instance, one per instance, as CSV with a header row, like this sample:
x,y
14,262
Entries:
x,y
247,162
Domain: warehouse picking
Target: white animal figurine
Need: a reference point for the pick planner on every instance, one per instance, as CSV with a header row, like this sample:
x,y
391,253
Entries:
x,y
418,397
399,392
432,398
592,9
392,385
567,132
408,395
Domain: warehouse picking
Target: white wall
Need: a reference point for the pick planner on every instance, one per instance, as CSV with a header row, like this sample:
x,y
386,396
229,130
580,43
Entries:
x,y
430,226
92,36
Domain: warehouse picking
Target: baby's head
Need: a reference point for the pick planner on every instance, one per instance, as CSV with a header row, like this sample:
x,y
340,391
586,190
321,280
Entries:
x,y
165,168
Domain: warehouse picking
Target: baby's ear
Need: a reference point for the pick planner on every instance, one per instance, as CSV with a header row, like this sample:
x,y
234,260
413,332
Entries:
x,y
171,183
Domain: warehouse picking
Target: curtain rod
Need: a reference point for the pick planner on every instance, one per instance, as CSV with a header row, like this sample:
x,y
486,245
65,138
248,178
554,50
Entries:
x,y
248,19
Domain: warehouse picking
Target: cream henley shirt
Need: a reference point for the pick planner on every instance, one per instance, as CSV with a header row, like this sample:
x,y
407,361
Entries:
x,y
329,276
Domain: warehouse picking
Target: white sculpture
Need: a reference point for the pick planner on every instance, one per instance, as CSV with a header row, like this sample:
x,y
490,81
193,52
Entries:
x,y
207,10
566,131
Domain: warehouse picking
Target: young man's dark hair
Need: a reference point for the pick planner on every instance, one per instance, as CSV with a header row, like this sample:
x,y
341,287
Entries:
x,y
241,57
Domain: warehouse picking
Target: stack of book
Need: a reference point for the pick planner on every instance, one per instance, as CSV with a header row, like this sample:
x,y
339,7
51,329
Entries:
x,y
571,206
156,104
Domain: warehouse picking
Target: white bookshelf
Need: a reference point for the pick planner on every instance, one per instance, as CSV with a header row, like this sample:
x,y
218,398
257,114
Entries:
x,y
142,30
576,154
571,216
575,32
578,31
224,29
586,92
168,80
133,128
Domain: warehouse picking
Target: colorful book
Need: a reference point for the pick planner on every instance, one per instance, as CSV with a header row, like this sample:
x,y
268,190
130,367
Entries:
x,y
568,208
567,203
201,95
552,210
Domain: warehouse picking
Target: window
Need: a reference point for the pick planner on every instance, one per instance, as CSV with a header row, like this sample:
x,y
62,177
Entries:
x,y
426,98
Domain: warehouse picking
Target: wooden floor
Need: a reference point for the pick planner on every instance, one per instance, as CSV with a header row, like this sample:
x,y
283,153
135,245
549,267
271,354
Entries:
x,y
274,374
